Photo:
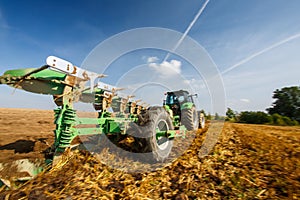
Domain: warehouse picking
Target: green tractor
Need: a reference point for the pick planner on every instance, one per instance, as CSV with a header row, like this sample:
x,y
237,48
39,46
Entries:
x,y
181,107
150,129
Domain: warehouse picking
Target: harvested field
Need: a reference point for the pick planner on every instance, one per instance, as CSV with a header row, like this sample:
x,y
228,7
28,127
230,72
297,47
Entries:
x,y
248,162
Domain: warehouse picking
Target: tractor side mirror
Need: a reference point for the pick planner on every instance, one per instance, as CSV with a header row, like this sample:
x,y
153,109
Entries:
x,y
194,95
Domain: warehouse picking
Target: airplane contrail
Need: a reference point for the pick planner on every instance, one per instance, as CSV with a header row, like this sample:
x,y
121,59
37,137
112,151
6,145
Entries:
x,y
188,28
260,52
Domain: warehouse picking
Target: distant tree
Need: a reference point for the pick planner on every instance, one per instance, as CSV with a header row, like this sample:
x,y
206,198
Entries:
x,y
230,114
208,117
283,120
251,117
287,102
217,116
277,119
288,121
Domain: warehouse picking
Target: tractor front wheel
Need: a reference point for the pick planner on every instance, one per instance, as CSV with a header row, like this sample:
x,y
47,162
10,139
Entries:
x,y
202,121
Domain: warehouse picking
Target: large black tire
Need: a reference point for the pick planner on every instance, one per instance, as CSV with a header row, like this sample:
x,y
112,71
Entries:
x,y
140,143
141,137
189,118
160,147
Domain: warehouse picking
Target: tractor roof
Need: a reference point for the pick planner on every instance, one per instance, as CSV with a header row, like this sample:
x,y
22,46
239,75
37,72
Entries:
x,y
178,92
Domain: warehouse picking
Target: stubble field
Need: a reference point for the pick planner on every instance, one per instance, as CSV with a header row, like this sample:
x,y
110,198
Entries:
x,y
248,162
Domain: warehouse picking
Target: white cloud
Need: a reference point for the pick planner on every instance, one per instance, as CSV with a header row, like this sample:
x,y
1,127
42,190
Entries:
x,y
195,83
245,100
152,59
167,68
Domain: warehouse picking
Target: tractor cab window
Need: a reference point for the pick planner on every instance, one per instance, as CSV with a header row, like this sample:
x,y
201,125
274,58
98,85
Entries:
x,y
181,99
171,99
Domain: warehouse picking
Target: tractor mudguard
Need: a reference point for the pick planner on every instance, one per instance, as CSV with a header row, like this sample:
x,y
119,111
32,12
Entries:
x,y
168,109
187,105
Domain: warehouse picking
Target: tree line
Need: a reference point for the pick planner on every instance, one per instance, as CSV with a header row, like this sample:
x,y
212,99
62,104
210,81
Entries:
x,y
285,110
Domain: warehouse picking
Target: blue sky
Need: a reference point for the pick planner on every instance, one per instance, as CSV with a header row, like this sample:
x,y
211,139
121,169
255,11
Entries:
x,y
231,31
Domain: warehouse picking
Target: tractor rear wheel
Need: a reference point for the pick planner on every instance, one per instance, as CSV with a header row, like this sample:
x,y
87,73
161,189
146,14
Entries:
x,y
141,137
189,118
159,121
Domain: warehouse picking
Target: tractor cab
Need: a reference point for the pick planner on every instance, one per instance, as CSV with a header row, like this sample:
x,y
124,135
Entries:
x,y
176,99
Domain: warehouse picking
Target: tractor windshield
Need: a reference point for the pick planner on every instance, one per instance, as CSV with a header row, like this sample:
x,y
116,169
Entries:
x,y
182,97
171,99
178,97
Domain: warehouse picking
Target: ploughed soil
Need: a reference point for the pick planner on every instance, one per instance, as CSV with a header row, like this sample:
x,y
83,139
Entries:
x,y
25,133
248,162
